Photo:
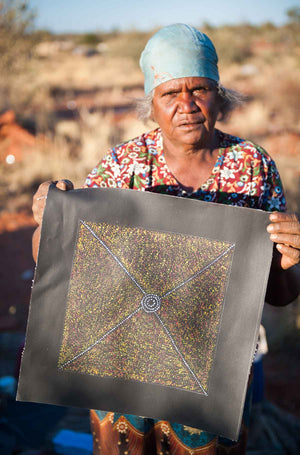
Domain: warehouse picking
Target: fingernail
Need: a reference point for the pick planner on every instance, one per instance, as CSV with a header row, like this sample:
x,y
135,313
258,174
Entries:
x,y
270,228
273,236
273,217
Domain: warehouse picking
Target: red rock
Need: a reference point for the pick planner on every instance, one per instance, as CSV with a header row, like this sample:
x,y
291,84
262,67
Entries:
x,y
14,140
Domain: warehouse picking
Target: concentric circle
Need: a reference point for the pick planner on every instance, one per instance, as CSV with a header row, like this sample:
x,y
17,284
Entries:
x,y
150,303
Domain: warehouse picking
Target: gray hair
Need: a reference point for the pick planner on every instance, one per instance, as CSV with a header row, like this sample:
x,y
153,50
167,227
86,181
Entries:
x,y
229,100
143,106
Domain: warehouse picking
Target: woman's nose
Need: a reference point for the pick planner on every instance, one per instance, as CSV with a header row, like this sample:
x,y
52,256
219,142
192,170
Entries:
x,y
186,103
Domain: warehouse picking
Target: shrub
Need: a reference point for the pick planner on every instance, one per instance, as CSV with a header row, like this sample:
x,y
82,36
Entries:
x,y
16,20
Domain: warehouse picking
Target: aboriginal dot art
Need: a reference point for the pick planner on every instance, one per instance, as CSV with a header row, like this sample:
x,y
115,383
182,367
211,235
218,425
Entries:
x,y
145,306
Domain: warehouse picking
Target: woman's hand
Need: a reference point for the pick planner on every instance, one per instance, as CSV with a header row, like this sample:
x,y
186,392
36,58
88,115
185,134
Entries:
x,y
284,279
39,199
38,207
285,233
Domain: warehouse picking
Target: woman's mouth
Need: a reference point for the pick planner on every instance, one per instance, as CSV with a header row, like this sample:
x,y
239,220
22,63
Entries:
x,y
190,124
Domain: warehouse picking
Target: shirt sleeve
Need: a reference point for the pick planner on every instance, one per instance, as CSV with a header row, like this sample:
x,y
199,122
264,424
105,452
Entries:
x,y
273,198
107,174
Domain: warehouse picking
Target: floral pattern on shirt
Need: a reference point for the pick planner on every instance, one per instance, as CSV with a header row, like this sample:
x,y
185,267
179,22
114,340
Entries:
x,y
244,174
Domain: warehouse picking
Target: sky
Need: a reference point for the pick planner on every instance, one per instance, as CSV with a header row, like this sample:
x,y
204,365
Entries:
x,y
105,15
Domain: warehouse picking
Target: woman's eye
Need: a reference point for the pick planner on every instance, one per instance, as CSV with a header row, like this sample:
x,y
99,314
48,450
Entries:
x,y
200,90
170,94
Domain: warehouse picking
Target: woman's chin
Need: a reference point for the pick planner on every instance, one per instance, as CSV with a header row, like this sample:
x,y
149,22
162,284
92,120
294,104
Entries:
x,y
194,134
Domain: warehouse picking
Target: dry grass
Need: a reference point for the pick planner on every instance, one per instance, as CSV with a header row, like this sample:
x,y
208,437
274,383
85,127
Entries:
x,y
76,71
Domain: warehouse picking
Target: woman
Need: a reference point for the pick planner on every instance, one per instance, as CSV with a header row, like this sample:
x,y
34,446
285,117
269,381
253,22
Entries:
x,y
188,157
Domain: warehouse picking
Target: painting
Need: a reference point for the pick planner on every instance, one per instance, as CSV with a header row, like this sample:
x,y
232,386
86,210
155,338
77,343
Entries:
x,y
144,295
162,290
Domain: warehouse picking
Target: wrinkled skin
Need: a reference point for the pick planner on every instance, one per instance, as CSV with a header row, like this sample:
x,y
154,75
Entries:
x,y
186,110
285,232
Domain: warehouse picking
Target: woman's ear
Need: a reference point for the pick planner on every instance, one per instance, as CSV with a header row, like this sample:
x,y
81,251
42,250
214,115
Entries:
x,y
151,116
220,103
219,116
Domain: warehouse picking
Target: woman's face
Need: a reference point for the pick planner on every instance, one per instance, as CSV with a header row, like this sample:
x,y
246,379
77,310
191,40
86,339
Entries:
x,y
186,109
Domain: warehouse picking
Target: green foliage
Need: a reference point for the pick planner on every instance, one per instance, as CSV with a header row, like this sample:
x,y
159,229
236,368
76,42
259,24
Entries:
x,y
294,15
89,39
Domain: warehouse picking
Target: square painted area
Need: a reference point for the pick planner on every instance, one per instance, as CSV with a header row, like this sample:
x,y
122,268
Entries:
x,y
145,305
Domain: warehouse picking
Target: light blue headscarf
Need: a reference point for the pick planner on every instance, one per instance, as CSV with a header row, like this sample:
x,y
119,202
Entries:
x,y
177,51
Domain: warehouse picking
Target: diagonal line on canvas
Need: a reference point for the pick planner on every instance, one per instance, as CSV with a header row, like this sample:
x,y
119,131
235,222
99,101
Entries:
x,y
179,353
100,339
119,262
198,273
114,256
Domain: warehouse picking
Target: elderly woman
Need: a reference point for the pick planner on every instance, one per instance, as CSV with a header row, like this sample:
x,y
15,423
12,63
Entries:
x,y
188,157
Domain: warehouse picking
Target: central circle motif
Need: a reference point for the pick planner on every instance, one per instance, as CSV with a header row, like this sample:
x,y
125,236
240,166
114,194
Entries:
x,y
150,303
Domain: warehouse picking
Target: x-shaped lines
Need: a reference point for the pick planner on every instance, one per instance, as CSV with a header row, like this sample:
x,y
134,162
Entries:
x,y
147,309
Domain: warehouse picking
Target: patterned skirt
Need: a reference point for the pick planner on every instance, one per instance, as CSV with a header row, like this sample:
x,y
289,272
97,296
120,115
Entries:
x,y
115,434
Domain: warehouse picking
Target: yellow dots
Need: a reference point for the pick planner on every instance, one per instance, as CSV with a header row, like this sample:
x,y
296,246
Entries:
x,y
158,263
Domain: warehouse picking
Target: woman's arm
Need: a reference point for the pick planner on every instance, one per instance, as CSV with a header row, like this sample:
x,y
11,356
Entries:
x,y
38,207
284,280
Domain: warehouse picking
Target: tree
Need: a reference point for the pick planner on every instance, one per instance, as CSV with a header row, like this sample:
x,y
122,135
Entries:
x,y
294,15
16,22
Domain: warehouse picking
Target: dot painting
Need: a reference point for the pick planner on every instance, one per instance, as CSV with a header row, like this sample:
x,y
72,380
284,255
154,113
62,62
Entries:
x,y
145,305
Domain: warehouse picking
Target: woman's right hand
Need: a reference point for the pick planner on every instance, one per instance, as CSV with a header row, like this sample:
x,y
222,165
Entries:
x,y
39,198
38,207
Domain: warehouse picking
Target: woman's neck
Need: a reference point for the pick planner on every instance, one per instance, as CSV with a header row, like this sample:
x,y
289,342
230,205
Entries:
x,y
185,151
189,164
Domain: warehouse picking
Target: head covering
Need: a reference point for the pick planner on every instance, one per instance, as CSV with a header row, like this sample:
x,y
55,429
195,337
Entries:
x,y
176,51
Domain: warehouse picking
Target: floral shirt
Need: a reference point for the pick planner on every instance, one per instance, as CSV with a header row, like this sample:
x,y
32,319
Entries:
x,y
244,174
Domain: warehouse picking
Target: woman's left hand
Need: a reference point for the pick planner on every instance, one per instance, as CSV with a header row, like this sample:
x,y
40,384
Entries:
x,y
285,233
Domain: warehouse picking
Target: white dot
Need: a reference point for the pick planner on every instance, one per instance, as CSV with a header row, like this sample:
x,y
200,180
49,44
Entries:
x,y
10,159
151,303
71,105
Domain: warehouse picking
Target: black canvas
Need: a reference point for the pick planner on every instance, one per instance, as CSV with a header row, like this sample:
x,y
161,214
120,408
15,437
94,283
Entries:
x,y
146,304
